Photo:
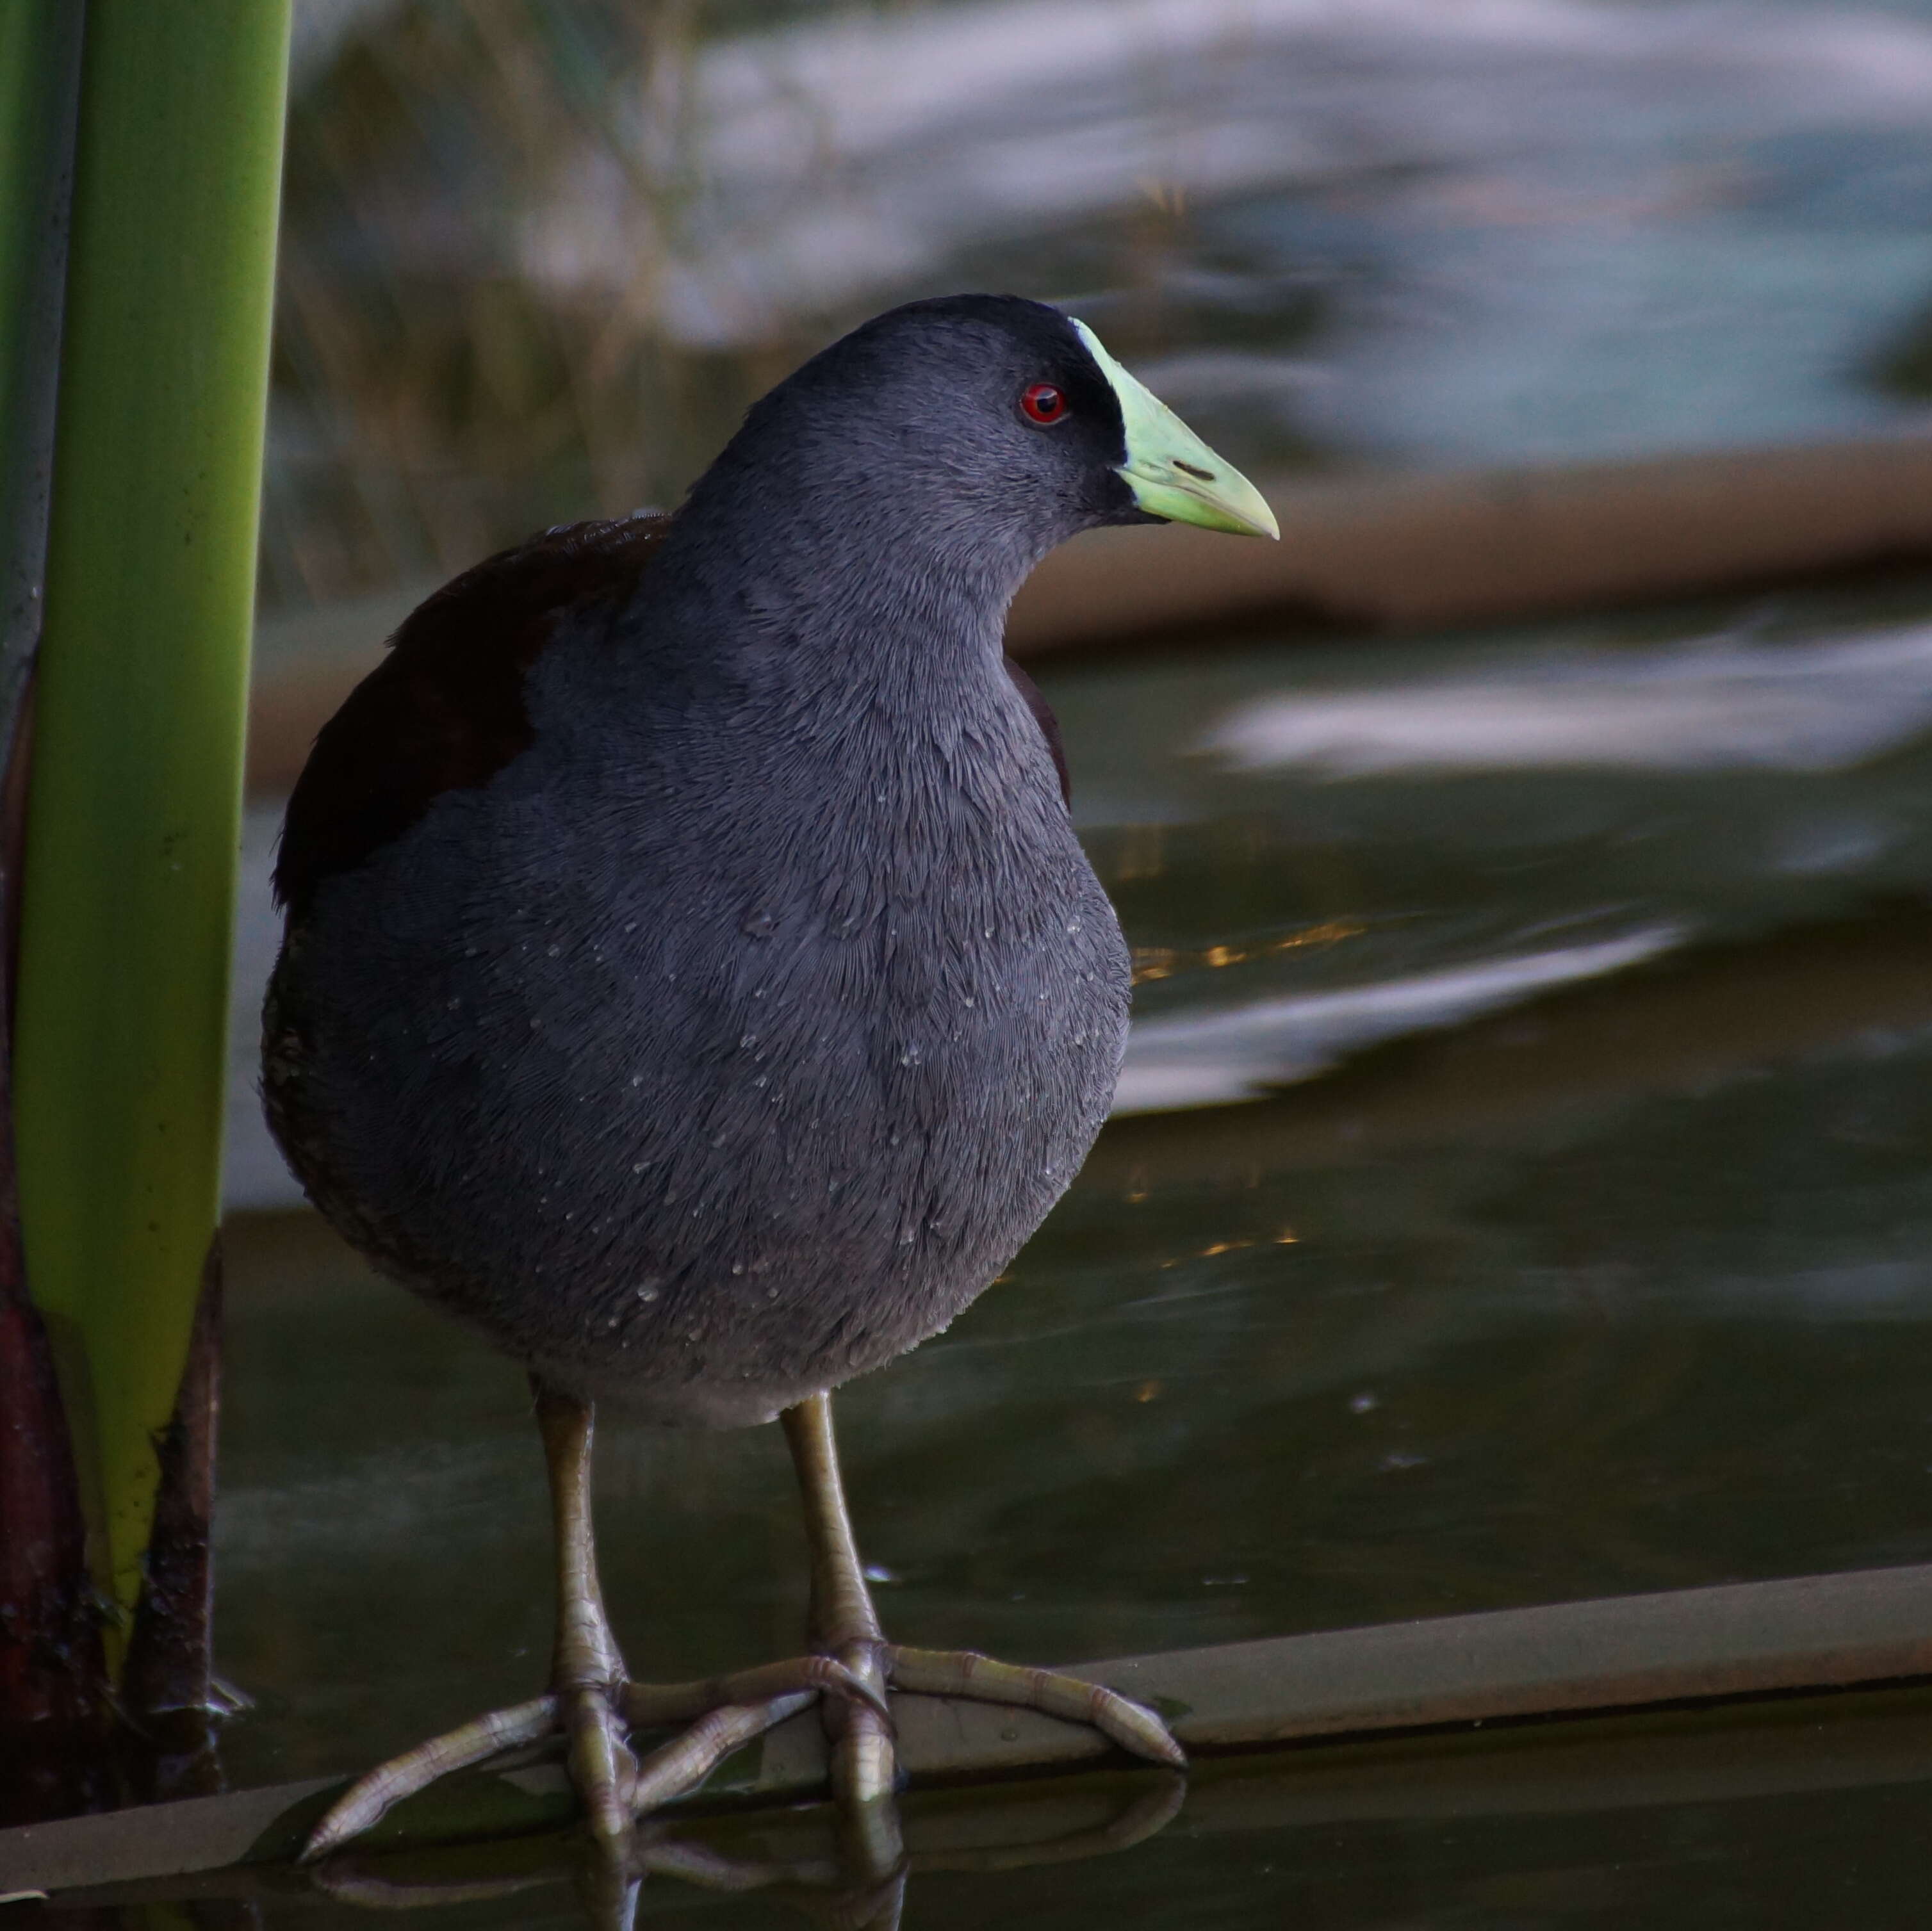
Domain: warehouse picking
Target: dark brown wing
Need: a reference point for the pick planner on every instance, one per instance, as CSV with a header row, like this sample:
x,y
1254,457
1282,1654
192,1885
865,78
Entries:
x,y
1049,725
444,711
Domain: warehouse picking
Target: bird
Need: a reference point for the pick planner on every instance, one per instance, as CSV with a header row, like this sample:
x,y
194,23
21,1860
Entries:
x,y
691,982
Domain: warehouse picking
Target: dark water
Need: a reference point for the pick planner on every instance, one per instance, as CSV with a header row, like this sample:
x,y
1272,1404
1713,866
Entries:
x,y
1603,1272
1792,1817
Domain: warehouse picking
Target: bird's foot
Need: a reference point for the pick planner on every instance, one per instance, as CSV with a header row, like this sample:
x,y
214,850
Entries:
x,y
730,1711
846,1625
593,1722
865,1769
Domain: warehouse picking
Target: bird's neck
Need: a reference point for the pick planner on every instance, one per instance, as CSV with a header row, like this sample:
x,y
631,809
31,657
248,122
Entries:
x,y
829,658
865,585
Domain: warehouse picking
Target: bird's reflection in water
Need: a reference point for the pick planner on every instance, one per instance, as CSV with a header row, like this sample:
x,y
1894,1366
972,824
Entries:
x,y
843,1868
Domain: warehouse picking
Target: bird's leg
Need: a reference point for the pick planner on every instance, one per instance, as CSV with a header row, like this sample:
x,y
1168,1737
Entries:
x,y
847,1644
844,1623
587,1675
846,1626
590,1705
587,1671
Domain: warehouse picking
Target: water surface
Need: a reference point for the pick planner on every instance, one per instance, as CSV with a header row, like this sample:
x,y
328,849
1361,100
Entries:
x,y
1508,1282
1519,1190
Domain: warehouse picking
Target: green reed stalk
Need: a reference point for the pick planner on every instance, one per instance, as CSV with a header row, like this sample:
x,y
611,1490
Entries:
x,y
134,815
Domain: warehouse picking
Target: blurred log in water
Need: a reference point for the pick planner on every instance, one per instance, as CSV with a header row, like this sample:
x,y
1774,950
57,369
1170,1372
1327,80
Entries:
x,y
1374,555
1383,554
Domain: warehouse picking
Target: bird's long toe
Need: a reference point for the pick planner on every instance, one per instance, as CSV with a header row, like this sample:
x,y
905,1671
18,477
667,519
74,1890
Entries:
x,y
965,1673
366,1800
649,1703
684,1763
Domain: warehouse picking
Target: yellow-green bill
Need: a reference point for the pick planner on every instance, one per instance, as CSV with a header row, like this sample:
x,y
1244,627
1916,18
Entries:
x,y
1171,472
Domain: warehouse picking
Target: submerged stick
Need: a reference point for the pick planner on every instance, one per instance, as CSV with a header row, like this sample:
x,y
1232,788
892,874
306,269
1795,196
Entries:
x,y
1428,1684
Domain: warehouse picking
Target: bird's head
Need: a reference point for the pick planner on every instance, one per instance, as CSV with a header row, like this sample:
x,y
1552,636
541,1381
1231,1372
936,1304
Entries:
x,y
983,422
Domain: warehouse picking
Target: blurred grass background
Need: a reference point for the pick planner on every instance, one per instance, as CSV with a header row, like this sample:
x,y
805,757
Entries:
x,y
539,254
430,403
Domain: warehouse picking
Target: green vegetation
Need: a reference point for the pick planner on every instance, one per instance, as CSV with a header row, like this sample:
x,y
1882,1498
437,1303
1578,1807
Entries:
x,y
134,808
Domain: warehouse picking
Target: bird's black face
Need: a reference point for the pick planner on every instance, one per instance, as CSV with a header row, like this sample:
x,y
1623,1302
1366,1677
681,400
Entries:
x,y
1007,404
997,419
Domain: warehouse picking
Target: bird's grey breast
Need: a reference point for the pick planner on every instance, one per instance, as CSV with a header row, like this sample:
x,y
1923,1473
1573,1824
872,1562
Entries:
x,y
768,1045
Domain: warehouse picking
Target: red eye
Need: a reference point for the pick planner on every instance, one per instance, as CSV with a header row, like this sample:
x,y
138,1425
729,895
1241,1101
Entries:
x,y
1043,403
